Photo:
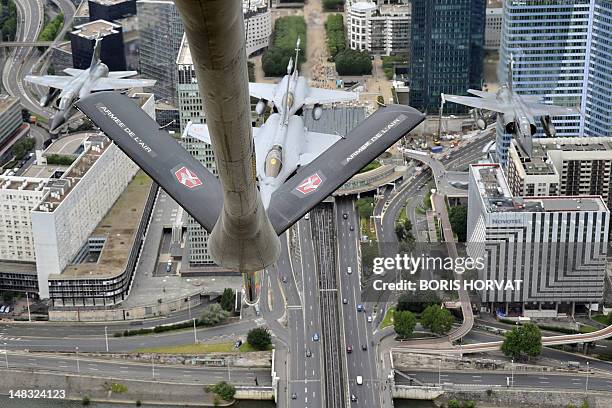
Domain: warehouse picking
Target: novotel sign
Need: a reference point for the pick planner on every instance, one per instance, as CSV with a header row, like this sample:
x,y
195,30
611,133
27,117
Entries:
x,y
511,221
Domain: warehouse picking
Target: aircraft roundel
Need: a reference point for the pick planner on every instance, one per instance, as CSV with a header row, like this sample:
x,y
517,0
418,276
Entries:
x,y
187,177
309,184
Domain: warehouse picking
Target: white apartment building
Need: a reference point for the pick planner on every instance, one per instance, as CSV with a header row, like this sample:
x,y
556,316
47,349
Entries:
x,y
74,204
18,196
382,30
562,166
258,25
555,245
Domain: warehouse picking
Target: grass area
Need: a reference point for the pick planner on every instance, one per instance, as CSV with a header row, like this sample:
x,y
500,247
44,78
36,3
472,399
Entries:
x,y
200,348
402,215
587,329
374,164
603,319
388,320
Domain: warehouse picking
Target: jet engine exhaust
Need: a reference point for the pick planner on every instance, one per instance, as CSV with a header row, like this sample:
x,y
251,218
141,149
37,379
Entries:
x,y
243,238
548,126
479,118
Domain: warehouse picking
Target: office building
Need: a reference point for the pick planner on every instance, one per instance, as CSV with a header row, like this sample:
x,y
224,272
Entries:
x,y
10,117
190,109
562,166
83,38
493,28
111,10
447,39
381,30
555,245
562,53
161,31
61,56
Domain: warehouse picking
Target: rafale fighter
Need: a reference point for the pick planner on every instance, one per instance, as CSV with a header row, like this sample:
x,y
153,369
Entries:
x,y
518,111
80,83
283,144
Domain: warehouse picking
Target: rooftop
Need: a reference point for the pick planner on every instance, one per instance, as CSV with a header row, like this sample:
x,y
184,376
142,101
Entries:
x,y
22,183
184,54
93,29
119,227
497,197
6,101
110,2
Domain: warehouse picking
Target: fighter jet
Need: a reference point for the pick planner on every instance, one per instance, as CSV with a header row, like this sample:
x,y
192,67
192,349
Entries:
x,y
80,83
283,144
518,111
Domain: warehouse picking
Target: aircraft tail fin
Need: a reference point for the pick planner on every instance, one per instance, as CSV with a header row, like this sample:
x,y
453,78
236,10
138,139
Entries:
x,y
95,58
183,177
331,169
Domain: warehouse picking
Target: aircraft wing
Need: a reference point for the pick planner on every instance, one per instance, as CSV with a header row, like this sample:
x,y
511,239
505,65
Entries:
x,y
200,131
543,109
121,74
262,91
316,181
480,103
195,188
481,94
52,81
74,71
323,96
315,144
106,84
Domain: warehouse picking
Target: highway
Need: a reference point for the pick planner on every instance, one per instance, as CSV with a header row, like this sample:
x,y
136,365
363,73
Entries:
x,y
306,376
125,369
357,330
333,347
560,381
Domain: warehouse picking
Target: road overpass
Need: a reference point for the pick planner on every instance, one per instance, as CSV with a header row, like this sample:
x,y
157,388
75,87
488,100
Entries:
x,y
10,44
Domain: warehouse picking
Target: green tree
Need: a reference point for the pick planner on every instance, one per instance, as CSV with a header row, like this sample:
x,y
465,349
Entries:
x,y
404,323
224,390
286,32
22,147
458,219
259,338
403,231
213,315
352,62
523,341
227,299
330,5
437,319
52,29
336,39
416,302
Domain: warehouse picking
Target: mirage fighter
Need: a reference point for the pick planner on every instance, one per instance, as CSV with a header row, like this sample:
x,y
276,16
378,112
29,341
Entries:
x,y
518,111
79,83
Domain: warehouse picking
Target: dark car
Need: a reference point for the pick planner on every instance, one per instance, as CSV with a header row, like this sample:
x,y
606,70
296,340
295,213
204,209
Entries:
x,y
352,228
364,347
349,349
353,397
308,353
345,216
294,396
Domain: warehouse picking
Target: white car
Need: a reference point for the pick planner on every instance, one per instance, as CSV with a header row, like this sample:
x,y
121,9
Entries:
x,y
359,380
369,319
349,270
2,308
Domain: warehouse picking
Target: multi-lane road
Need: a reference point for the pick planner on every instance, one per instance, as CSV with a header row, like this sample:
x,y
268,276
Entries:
x,y
126,369
563,381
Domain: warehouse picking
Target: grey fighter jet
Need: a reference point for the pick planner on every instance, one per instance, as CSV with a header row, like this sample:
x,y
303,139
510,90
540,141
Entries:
x,y
283,144
518,111
80,83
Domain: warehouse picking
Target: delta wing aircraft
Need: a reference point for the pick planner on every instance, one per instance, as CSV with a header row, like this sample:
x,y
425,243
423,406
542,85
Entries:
x,y
518,111
80,83
283,144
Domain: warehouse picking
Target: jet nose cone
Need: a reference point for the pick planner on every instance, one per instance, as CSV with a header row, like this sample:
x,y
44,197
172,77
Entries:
x,y
57,121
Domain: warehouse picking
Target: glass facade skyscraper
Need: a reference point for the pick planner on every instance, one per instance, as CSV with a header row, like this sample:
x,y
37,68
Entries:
x,y
447,51
161,30
562,51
